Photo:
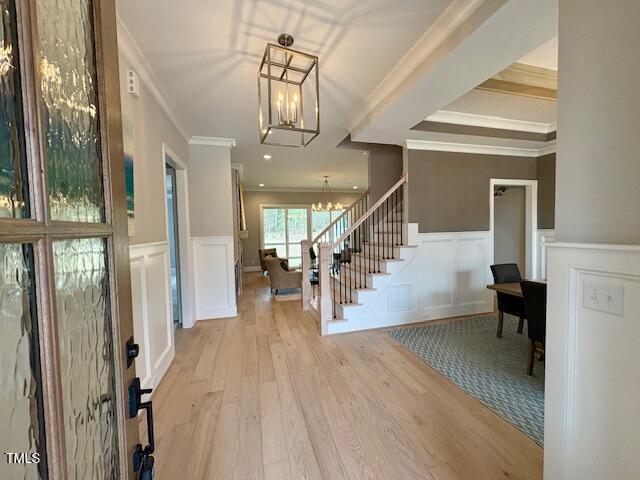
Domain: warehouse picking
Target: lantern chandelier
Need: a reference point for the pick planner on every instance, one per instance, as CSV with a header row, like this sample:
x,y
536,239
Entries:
x,y
327,197
288,95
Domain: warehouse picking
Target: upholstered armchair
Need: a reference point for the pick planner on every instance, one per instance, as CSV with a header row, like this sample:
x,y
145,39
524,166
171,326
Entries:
x,y
270,253
281,279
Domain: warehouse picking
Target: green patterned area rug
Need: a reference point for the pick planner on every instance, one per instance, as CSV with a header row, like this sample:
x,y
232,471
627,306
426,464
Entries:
x,y
491,369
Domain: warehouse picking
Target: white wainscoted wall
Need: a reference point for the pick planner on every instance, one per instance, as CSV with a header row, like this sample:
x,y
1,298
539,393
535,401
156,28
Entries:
x,y
453,274
543,239
152,318
214,277
592,393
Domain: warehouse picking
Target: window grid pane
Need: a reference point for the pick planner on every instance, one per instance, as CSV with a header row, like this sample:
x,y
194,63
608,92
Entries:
x,y
69,89
13,166
21,421
86,358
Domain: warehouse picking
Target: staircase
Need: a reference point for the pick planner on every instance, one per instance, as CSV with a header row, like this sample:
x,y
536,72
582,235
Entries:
x,y
353,261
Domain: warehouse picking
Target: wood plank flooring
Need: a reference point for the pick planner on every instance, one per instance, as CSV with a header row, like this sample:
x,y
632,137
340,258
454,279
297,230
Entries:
x,y
263,396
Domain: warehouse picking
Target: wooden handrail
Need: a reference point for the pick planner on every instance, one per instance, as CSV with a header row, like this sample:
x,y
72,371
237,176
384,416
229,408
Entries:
x,y
331,224
374,207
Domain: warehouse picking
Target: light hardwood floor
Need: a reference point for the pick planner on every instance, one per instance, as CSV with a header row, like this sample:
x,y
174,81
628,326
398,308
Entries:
x,y
264,396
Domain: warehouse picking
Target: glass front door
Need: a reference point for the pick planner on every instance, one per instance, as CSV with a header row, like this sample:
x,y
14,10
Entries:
x,y
65,301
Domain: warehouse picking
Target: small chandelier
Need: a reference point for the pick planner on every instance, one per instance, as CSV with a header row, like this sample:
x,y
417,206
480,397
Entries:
x,y
327,197
288,95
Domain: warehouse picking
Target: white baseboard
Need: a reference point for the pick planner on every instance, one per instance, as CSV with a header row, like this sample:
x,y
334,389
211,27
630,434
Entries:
x,y
152,316
214,277
592,393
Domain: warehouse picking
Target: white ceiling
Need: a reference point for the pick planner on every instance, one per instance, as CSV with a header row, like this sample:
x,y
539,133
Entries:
x,y
205,54
545,56
285,169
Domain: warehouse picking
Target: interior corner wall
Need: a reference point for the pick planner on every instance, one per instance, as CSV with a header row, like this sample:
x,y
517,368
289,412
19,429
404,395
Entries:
x,y
146,126
546,167
599,141
149,127
449,191
592,393
212,244
385,168
210,192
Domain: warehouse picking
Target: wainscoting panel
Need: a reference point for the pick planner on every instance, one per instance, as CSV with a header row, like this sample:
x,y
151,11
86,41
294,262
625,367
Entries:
x,y
543,238
592,396
454,272
214,277
152,318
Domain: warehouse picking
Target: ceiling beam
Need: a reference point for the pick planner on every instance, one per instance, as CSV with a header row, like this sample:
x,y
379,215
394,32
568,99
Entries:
x,y
470,42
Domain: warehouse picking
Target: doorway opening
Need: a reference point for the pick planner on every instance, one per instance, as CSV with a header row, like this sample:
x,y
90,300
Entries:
x,y
174,244
513,223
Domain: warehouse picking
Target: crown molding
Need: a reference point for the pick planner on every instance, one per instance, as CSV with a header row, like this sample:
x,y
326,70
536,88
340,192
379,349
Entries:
x,y
450,20
489,121
480,149
213,141
547,150
129,49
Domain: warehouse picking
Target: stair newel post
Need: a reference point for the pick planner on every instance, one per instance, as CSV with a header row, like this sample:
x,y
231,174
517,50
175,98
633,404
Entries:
x,y
326,300
306,279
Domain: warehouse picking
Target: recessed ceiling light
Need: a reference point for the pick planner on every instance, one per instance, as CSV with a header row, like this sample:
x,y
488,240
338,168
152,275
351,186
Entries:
x,y
355,187
267,157
261,184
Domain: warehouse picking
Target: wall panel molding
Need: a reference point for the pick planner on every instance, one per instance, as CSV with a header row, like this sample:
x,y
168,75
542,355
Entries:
x,y
543,238
455,272
152,318
592,404
214,277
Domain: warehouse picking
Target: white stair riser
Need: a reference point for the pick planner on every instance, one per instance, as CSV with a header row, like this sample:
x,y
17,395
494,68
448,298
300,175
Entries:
x,y
385,251
342,311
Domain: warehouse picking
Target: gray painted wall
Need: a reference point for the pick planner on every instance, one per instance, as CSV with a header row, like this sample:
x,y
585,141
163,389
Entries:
x,y
385,168
449,192
210,197
385,164
253,200
598,168
510,227
151,127
546,191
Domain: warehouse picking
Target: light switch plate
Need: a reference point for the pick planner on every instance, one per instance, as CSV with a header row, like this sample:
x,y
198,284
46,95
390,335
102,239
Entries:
x,y
603,296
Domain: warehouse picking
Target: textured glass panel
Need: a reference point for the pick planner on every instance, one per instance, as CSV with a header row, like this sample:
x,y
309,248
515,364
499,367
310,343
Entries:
x,y
69,88
13,194
86,358
20,396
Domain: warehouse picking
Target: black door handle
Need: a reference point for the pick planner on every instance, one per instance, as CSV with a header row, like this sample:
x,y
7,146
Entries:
x,y
143,462
133,349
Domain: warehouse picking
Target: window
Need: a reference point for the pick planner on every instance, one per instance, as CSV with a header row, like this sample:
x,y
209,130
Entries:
x,y
283,228
320,220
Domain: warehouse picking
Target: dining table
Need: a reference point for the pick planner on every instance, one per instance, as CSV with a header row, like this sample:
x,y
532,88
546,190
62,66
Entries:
x,y
510,288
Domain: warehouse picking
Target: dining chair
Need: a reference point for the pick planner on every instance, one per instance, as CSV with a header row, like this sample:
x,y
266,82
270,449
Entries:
x,y
508,273
535,301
